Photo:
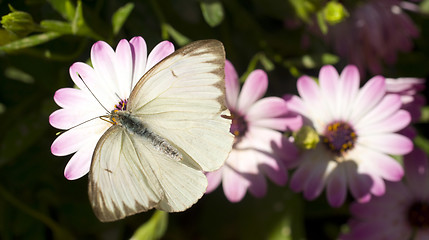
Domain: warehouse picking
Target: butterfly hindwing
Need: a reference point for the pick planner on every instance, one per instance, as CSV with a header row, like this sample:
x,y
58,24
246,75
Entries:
x,y
182,99
129,175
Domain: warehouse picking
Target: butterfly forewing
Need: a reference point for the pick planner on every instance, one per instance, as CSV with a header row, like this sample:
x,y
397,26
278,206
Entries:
x,y
182,99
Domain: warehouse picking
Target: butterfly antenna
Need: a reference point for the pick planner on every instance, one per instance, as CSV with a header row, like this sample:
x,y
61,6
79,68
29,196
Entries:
x,y
101,117
107,111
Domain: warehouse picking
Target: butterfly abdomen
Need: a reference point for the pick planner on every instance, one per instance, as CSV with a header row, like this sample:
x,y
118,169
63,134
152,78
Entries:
x,y
134,125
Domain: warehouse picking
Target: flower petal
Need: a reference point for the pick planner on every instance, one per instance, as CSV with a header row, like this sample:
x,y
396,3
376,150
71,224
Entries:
x,y
159,52
393,123
386,107
271,112
124,68
234,184
328,80
258,184
253,89
214,178
139,56
369,95
80,163
232,85
347,90
336,186
359,183
389,143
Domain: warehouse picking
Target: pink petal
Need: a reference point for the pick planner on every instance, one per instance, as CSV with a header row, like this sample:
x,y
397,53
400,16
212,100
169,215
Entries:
x,y
308,90
271,112
72,140
378,186
124,68
80,163
274,169
369,95
316,180
139,56
336,187
159,52
295,104
382,165
214,179
70,97
234,184
232,85
103,61
389,143
386,107
300,176
328,80
347,89
253,89
393,123
359,183
258,184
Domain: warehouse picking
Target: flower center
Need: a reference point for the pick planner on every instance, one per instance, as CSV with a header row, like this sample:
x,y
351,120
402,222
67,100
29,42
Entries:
x,y
418,215
122,105
339,137
239,125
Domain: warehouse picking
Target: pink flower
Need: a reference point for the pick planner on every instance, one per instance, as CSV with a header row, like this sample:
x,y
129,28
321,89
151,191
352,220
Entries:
x,y
402,212
357,129
408,89
375,32
259,148
108,83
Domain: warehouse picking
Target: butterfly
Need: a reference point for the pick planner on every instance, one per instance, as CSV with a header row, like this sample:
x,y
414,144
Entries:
x,y
175,127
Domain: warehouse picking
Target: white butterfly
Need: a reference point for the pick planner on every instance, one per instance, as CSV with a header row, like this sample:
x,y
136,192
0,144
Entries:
x,y
172,130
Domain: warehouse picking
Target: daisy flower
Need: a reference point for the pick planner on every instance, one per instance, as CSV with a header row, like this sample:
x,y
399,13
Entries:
x,y
101,89
402,212
358,131
375,32
259,148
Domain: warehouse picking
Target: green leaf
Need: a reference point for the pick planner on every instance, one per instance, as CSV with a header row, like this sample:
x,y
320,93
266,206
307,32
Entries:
x,y
424,6
65,7
177,37
321,22
30,41
154,228
120,16
212,12
56,26
422,143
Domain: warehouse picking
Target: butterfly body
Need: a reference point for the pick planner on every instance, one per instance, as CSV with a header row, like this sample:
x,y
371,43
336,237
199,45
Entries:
x,y
133,125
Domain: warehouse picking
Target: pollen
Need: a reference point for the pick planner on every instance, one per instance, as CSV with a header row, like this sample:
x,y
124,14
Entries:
x,y
122,105
339,137
239,125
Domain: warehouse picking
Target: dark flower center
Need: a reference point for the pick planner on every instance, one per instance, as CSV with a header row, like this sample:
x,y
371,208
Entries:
x,y
418,215
339,137
122,105
238,126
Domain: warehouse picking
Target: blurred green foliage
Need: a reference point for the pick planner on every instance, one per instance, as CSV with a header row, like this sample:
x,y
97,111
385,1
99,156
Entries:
x,y
40,39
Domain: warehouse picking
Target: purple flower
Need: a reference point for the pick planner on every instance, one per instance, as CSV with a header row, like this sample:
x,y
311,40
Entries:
x,y
259,148
402,212
375,31
357,129
110,80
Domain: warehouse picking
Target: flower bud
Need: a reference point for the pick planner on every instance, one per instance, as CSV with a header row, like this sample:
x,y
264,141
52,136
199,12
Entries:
x,y
18,22
334,12
306,138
